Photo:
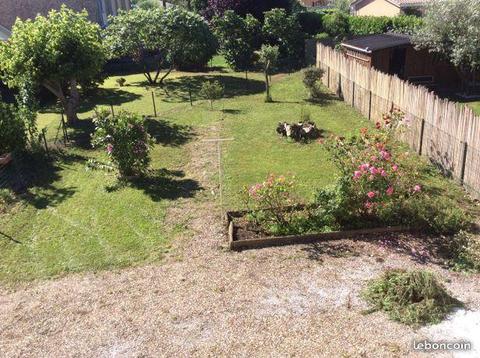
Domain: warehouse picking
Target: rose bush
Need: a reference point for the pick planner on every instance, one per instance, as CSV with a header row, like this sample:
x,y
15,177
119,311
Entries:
x,y
381,183
125,140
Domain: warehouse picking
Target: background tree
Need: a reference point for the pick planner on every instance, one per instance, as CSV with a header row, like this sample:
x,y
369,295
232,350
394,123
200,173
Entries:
x,y
138,34
268,57
341,5
451,29
257,8
336,25
187,39
60,52
284,31
239,39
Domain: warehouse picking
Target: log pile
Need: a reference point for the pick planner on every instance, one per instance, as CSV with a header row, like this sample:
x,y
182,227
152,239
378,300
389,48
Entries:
x,y
302,131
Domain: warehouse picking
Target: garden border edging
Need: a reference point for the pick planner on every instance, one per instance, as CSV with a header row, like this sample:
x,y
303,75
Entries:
x,y
238,245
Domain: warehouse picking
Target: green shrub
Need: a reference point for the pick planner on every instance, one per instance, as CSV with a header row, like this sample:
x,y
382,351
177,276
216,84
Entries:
x,y
13,133
410,297
312,79
125,140
212,91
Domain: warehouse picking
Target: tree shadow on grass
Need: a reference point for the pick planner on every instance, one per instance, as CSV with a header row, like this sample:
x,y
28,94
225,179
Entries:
x,y
80,133
32,176
162,184
168,133
323,99
178,90
95,98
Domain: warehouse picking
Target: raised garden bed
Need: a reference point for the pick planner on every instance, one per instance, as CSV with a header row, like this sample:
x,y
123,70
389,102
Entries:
x,y
241,238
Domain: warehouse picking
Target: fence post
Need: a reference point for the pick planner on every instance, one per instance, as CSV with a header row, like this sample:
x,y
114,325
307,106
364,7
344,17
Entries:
x,y
370,105
154,105
328,76
464,162
422,131
190,95
353,94
339,87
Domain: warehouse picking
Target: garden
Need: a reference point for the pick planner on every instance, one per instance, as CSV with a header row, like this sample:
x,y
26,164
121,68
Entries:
x,y
293,159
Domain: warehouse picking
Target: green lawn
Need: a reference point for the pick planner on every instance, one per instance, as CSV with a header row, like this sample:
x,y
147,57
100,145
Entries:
x,y
77,220
475,106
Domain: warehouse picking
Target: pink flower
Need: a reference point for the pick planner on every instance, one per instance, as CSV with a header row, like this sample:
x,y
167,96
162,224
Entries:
x,y
368,205
417,188
389,190
365,166
371,194
385,155
357,174
373,158
395,167
383,173
109,148
373,171
371,177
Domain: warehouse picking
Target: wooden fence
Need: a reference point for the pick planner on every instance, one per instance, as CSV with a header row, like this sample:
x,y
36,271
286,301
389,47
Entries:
x,y
446,132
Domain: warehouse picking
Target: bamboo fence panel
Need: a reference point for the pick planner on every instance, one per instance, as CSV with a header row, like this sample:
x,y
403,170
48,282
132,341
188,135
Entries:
x,y
446,132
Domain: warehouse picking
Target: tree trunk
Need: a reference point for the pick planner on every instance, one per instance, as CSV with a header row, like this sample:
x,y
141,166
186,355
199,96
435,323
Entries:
x,y
164,2
268,97
72,103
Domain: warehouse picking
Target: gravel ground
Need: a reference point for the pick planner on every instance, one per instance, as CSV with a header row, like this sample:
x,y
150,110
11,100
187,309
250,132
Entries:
x,y
206,301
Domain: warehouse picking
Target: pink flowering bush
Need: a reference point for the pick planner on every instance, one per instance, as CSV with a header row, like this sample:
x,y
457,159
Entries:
x,y
376,173
267,200
125,141
381,183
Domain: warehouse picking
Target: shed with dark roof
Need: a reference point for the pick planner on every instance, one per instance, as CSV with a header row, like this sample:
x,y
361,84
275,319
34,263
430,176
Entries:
x,y
395,54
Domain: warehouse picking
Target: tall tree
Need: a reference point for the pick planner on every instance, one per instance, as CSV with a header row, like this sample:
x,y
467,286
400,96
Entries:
x,y
60,52
239,39
451,29
138,34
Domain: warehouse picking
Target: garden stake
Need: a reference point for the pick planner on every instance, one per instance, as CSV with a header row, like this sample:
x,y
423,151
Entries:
x,y
111,107
190,95
154,105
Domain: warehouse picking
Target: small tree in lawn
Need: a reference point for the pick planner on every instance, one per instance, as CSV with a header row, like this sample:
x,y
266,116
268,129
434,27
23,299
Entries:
x,y
61,52
268,57
125,140
211,91
451,29
239,38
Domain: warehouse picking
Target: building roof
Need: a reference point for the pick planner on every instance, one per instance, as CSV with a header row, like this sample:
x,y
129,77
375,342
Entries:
x,y
399,3
4,33
372,43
